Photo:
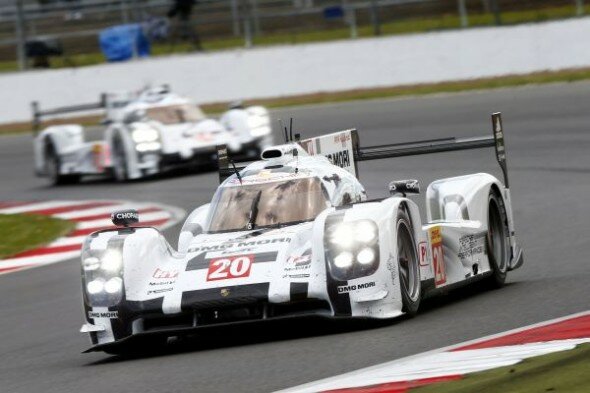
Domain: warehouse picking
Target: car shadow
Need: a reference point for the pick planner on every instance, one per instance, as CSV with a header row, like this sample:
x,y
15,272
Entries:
x,y
212,338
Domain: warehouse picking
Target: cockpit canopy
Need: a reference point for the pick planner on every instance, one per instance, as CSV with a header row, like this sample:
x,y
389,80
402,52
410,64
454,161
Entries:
x,y
175,113
260,203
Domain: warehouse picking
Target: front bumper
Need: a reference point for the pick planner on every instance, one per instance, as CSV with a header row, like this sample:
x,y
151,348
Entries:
x,y
129,328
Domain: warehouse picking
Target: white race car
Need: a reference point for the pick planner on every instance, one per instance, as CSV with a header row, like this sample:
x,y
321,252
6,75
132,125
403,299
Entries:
x,y
294,234
146,134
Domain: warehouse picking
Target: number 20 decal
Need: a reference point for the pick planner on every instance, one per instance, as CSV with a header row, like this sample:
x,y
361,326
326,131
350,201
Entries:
x,y
230,267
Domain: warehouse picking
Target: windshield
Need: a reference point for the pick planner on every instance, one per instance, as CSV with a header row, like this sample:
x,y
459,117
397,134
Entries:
x,y
253,206
174,114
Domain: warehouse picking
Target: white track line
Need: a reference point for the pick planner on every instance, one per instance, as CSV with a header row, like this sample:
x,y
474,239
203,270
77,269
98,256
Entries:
x,y
172,215
40,206
105,222
106,210
352,378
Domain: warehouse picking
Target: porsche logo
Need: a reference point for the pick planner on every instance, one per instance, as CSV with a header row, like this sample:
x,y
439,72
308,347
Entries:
x,y
225,292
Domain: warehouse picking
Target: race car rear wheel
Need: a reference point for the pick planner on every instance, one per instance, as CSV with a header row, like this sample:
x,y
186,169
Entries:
x,y
409,269
498,239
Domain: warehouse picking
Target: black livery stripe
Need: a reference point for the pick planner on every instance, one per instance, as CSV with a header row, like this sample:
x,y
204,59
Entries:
x,y
340,301
225,296
298,290
201,262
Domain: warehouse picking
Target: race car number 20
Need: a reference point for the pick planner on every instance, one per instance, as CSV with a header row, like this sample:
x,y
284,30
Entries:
x,y
230,267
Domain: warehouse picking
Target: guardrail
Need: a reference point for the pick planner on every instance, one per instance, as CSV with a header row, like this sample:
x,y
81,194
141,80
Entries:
x,y
78,23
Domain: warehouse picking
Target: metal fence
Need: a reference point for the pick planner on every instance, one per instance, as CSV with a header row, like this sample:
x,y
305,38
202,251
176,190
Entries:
x,y
73,25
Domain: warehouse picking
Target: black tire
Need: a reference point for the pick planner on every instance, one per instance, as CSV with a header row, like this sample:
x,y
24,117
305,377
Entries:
x,y
119,156
498,240
408,265
52,166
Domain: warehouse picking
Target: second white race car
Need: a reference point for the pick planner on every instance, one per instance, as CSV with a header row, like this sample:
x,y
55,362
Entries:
x,y
293,235
147,133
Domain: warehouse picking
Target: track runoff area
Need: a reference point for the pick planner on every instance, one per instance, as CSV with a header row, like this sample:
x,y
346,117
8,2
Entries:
x,y
454,362
88,216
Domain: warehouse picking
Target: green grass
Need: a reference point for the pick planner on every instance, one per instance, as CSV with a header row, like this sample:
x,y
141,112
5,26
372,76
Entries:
x,y
406,26
22,232
565,371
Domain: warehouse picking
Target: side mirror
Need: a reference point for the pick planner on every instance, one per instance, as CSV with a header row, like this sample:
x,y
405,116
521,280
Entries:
x,y
124,218
404,187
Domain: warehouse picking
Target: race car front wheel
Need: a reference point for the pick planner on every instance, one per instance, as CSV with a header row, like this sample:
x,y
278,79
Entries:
x,y
52,168
409,270
498,240
120,172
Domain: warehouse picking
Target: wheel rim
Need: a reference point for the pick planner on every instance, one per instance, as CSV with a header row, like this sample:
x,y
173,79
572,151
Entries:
x,y
497,237
409,276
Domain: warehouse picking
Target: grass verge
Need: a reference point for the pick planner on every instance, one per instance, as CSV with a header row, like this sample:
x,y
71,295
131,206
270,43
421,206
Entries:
x,y
569,75
22,232
565,371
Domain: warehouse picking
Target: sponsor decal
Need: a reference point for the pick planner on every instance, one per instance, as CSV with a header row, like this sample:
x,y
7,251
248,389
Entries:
x,y
164,273
423,253
231,245
438,264
392,267
230,267
238,251
342,138
303,275
471,245
296,265
160,283
103,314
155,291
352,288
340,158
225,292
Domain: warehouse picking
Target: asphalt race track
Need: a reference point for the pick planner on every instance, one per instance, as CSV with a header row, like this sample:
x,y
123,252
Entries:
x,y
548,142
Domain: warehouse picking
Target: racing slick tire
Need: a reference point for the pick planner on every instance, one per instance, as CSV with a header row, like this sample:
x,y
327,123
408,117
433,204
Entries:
x,y
119,156
497,240
408,265
52,165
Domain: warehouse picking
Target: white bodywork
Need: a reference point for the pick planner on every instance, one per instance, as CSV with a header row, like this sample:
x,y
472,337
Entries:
x,y
279,266
144,135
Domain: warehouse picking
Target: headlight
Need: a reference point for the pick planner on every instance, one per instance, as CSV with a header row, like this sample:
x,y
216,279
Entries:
x,y
102,275
260,131
148,146
114,285
344,260
352,248
365,256
349,234
90,263
95,286
112,261
141,134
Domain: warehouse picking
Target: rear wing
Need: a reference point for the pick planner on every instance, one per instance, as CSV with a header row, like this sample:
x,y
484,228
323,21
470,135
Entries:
x,y
343,149
39,114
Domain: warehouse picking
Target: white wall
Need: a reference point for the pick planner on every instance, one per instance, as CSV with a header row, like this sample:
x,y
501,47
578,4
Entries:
x,y
300,69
